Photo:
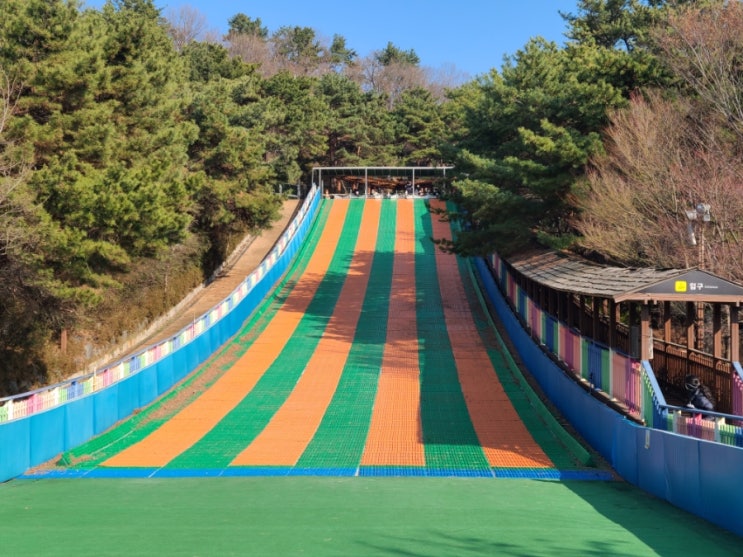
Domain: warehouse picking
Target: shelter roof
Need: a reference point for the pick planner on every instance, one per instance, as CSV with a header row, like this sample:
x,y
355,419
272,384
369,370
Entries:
x,y
385,176
570,273
385,171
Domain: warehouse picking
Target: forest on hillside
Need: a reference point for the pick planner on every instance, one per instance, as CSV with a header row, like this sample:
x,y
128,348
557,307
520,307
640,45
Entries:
x,y
136,150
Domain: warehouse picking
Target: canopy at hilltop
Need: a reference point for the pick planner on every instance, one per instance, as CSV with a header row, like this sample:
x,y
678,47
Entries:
x,y
381,180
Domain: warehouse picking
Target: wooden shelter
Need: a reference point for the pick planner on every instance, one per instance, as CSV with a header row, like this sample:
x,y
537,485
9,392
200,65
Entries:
x,y
680,320
380,181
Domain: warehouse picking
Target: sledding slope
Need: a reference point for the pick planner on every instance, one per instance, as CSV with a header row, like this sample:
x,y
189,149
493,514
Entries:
x,y
375,356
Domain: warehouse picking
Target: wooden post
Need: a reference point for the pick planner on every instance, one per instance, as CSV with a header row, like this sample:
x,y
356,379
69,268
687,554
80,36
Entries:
x,y
582,316
633,348
667,329
646,334
612,324
690,319
700,327
717,330
570,310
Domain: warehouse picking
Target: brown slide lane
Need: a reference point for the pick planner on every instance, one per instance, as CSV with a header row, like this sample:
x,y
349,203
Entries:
x,y
290,430
193,422
394,437
504,438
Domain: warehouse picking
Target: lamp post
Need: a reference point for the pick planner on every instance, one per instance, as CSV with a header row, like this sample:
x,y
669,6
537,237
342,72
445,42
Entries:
x,y
699,215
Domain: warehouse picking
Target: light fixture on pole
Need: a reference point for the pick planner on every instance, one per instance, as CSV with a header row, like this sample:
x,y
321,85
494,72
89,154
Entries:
x,y
699,215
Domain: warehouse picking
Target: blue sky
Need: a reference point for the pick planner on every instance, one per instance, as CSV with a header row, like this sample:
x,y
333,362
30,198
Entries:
x,y
471,35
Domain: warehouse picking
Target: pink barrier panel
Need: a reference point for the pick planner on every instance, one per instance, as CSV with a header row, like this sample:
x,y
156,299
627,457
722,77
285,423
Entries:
x,y
511,290
572,351
696,426
737,395
49,399
34,403
619,386
626,382
495,265
577,351
535,320
562,336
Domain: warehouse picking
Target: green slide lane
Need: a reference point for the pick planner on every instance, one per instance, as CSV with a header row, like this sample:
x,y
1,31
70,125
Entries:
x,y
340,439
449,436
225,441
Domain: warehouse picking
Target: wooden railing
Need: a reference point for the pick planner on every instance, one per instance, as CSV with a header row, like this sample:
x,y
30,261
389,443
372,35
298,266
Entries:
x,y
672,363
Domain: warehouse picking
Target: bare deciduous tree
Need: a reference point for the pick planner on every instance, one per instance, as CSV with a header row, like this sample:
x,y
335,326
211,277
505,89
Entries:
x,y
444,78
391,79
187,24
704,46
253,49
662,160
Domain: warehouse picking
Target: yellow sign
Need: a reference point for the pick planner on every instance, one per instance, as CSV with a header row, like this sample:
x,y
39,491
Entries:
x,y
680,286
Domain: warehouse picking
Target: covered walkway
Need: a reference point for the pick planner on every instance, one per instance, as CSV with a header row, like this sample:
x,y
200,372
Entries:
x,y
682,321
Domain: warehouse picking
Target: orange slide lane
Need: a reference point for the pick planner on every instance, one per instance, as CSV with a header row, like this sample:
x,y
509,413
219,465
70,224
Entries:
x,y
503,436
193,422
290,430
394,437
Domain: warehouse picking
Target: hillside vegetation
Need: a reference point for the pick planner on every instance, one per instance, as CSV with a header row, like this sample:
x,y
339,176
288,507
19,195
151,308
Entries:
x,y
136,150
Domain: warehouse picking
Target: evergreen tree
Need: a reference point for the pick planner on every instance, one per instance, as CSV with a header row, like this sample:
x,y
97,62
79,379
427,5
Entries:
x,y
40,94
294,116
299,49
358,129
209,61
391,54
232,184
241,24
340,55
529,131
420,128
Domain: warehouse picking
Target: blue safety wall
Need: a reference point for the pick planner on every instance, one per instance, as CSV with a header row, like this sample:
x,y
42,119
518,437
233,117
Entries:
x,y
29,441
699,476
